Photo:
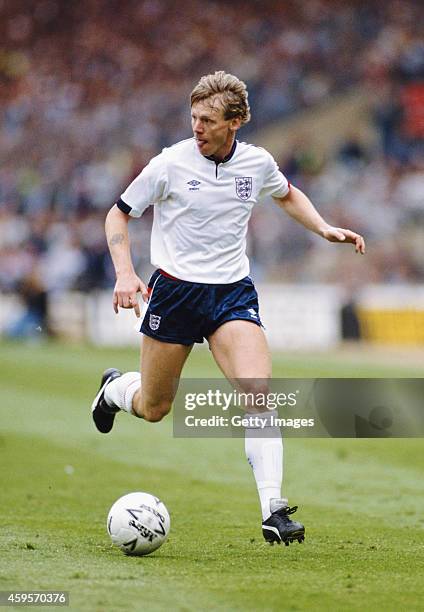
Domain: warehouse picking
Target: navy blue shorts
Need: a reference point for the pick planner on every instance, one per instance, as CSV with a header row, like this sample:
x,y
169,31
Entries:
x,y
181,312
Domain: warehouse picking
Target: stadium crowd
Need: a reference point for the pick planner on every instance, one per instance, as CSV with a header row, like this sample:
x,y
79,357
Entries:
x,y
91,90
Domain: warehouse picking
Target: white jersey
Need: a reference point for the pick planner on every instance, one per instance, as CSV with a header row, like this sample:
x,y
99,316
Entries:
x,y
202,208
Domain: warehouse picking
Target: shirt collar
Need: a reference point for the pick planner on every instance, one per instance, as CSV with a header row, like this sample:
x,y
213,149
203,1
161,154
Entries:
x,y
226,158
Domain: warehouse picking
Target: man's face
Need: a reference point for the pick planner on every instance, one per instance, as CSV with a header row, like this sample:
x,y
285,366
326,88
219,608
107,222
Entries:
x,y
214,135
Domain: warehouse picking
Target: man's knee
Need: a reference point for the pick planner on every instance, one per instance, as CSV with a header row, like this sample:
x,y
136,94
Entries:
x,y
254,393
155,412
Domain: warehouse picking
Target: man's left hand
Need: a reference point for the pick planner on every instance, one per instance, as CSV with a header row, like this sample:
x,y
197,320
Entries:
x,y
338,234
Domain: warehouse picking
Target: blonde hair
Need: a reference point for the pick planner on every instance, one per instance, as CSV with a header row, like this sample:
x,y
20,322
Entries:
x,y
233,94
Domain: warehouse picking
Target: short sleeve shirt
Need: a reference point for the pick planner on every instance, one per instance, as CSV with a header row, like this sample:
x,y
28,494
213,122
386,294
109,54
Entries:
x,y
202,208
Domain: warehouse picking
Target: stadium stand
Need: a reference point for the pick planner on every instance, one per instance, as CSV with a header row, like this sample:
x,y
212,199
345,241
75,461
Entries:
x,y
90,91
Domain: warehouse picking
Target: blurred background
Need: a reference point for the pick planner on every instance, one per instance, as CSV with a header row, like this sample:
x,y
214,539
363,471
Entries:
x,y
90,91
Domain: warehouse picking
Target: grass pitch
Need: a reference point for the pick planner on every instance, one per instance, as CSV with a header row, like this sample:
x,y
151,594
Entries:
x,y
361,500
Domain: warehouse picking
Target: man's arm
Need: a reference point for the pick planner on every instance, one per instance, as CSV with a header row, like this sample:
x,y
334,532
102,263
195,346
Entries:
x,y
299,206
128,284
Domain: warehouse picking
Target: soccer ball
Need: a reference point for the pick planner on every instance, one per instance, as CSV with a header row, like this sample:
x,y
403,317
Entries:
x,y
138,523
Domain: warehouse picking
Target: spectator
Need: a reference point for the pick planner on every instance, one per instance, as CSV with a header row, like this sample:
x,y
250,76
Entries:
x,y
91,90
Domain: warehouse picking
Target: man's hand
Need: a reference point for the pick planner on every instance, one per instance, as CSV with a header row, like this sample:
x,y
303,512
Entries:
x,y
300,208
125,293
338,234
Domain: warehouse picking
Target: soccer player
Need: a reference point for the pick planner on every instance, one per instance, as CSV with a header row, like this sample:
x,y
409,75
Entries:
x,y
203,190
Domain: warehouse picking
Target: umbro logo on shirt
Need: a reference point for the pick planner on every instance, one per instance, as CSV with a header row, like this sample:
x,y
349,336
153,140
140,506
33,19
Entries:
x,y
194,185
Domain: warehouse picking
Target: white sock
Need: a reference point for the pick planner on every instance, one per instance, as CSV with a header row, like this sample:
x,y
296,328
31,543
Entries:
x,y
264,452
120,392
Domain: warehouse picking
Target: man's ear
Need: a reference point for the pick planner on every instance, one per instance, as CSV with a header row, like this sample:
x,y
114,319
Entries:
x,y
235,124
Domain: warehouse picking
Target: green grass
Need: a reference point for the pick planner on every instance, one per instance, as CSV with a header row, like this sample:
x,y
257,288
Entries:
x,y
361,500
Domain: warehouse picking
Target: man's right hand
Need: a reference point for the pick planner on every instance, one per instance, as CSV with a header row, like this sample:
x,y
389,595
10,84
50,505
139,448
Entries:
x,y
125,293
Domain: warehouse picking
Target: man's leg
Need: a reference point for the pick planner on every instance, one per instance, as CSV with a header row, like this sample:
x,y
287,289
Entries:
x,y
149,395
241,351
161,366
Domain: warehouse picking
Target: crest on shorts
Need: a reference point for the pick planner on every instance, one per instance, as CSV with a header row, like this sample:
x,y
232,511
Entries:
x,y
243,187
154,322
